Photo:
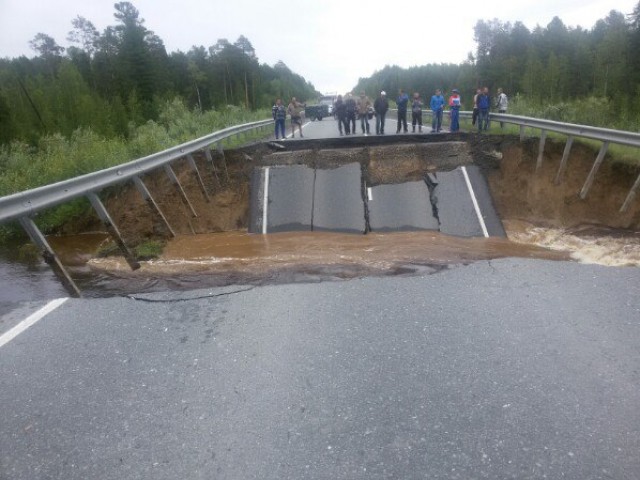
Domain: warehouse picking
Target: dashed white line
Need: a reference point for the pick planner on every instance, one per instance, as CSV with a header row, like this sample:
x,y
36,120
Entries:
x,y
265,204
475,202
369,194
30,320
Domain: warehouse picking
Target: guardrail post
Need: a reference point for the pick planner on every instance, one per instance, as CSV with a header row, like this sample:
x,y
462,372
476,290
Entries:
x,y
112,229
49,256
207,152
543,139
631,195
594,170
522,134
142,188
565,159
194,167
224,161
174,179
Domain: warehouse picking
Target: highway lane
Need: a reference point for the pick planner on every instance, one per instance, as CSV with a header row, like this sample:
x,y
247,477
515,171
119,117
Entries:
x,y
501,369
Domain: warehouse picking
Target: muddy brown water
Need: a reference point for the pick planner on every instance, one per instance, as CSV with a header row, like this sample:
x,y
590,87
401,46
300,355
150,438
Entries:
x,y
218,259
542,221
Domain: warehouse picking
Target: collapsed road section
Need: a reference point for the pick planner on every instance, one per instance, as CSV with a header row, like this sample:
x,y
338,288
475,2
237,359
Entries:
x,y
303,198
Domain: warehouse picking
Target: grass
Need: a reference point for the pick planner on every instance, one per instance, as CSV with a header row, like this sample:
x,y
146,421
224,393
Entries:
x,y
147,250
57,158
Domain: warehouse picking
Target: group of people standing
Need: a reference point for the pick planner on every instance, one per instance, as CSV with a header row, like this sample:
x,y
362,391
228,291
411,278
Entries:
x,y
348,109
482,104
294,110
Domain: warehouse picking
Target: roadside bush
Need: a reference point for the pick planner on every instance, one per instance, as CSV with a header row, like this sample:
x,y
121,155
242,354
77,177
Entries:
x,y
56,157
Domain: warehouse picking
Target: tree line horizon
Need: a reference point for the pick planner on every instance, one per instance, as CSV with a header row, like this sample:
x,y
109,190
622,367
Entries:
x,y
123,76
550,68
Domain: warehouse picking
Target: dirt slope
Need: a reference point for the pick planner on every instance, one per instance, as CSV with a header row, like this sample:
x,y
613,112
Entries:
x,y
519,191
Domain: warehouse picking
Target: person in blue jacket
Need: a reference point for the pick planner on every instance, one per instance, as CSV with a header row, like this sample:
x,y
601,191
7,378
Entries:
x,y
484,102
437,107
401,102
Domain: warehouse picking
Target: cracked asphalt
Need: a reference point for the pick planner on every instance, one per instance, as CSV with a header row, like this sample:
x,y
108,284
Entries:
x,y
505,369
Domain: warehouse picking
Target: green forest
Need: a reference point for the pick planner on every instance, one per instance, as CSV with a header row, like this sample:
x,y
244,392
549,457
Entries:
x,y
572,74
124,76
117,95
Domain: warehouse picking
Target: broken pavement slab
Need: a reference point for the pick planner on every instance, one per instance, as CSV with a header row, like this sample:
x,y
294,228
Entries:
x,y
300,198
401,207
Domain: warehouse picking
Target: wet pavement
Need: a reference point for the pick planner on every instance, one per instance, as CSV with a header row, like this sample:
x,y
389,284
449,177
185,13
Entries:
x,y
509,368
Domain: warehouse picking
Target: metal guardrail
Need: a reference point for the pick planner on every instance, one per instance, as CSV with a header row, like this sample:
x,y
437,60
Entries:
x,y
23,205
605,135
31,201
585,131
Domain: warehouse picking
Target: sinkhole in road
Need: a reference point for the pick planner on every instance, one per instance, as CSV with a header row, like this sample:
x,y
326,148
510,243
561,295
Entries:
x,y
541,219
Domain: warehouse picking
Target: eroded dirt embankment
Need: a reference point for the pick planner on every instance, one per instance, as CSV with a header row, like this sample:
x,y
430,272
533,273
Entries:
x,y
519,191
524,193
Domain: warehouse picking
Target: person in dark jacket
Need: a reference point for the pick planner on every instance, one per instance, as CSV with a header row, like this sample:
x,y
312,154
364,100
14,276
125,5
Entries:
x,y
416,112
279,113
380,106
476,112
455,102
401,102
484,102
340,111
351,108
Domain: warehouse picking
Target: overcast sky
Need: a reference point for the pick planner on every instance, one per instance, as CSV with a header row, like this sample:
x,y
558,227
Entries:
x,y
330,42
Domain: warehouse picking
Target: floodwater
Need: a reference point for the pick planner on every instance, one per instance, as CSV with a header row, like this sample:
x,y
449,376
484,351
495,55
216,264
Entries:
x,y
235,258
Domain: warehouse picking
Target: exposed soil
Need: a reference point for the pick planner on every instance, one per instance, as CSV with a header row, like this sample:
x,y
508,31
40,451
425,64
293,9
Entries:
x,y
519,191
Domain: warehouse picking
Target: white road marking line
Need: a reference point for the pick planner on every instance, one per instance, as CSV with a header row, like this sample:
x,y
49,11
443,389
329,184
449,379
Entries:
x,y
30,320
265,205
475,202
289,136
369,194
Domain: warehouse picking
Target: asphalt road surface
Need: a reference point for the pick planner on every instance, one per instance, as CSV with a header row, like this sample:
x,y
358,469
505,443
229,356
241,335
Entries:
x,y
328,127
501,369
504,369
